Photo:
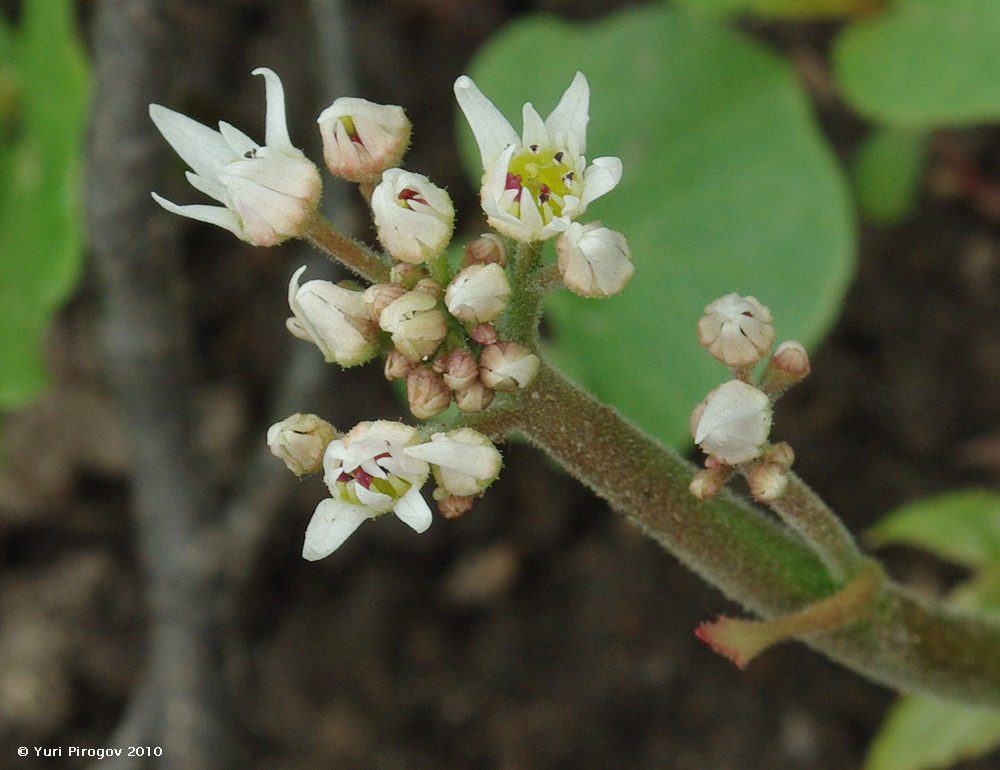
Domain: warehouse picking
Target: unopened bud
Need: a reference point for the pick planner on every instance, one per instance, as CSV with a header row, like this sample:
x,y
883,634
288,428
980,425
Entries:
x,y
594,261
429,286
380,295
426,393
301,440
474,398
789,365
736,330
461,369
767,481
484,334
397,366
734,424
453,506
487,249
780,454
361,139
406,275
479,293
416,325
507,366
464,461
708,482
413,216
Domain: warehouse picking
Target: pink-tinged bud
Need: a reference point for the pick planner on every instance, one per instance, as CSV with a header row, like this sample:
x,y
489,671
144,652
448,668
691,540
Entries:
x,y
789,365
507,366
708,482
416,325
406,275
335,319
780,454
734,424
362,139
479,293
453,506
768,481
379,296
474,398
736,330
397,366
487,249
426,393
461,369
413,216
593,260
429,286
300,441
484,334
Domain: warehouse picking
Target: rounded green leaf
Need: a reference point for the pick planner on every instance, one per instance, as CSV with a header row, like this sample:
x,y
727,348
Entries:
x,y
728,186
887,172
925,63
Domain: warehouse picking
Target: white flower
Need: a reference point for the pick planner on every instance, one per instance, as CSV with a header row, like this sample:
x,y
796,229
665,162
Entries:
x,y
733,422
336,319
464,461
368,474
507,366
535,185
736,330
415,323
478,293
413,216
268,194
361,139
593,260
300,440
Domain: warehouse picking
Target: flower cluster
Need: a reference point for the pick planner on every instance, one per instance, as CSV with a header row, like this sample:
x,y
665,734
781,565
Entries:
x,y
457,331
733,422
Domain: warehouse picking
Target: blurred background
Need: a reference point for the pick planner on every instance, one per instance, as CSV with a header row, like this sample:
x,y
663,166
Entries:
x,y
152,591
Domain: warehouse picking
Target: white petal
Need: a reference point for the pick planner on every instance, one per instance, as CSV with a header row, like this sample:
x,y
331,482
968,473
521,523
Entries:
x,y
213,215
373,499
567,123
332,523
240,143
203,149
276,130
533,127
492,130
413,510
478,461
208,185
601,176
530,215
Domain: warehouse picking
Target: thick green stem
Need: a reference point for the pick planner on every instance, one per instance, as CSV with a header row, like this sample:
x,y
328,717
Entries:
x,y
369,264
908,643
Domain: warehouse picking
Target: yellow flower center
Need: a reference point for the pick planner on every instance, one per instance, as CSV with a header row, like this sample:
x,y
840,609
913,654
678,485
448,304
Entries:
x,y
546,175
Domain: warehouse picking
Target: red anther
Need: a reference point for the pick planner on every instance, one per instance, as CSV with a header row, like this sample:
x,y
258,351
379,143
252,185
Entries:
x,y
384,454
544,191
363,477
407,194
513,182
343,477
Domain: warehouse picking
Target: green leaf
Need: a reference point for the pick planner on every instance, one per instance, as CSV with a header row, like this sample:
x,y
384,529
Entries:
x,y
788,9
41,234
925,63
961,526
887,173
925,734
728,186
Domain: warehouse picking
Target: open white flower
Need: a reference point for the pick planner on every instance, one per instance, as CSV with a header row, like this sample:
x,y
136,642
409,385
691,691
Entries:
x,y
414,217
336,319
594,261
536,184
369,474
268,194
736,330
464,461
733,422
361,138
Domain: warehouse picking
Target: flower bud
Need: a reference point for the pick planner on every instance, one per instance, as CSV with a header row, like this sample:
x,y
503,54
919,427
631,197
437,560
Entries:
x,y
461,369
416,325
397,366
336,319
593,260
767,481
453,506
301,440
379,296
735,423
464,461
736,330
429,286
406,275
507,366
426,393
414,217
479,293
789,365
487,249
708,482
484,334
474,398
361,139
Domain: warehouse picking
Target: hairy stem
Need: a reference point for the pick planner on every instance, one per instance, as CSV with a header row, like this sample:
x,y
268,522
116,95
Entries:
x,y
358,258
908,643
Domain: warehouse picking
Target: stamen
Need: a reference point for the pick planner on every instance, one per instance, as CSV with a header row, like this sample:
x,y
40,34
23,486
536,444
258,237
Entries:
x,y
543,192
411,195
558,156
